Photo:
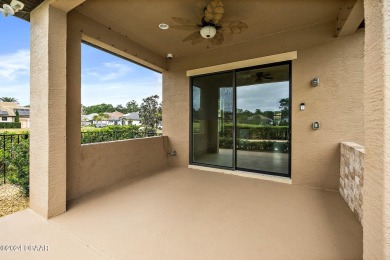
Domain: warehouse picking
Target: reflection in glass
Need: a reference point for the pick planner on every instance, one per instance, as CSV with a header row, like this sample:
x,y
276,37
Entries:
x,y
212,115
262,119
259,101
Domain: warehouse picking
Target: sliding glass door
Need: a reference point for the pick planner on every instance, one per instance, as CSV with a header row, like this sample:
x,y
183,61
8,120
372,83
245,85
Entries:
x,y
212,120
263,119
241,119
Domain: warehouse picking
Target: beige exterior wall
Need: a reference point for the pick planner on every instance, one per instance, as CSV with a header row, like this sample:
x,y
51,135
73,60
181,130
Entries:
x,y
8,119
337,103
376,192
106,163
25,122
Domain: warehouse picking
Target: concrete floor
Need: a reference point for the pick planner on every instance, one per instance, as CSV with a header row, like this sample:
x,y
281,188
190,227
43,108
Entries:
x,y
262,161
190,214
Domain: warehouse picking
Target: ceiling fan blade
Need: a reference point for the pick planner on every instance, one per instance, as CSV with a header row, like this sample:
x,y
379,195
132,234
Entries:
x,y
184,21
234,27
227,36
200,7
197,40
184,27
201,4
214,11
217,39
192,36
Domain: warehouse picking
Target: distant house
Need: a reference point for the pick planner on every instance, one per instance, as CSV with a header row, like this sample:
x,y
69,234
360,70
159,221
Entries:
x,y
131,119
87,120
8,113
114,118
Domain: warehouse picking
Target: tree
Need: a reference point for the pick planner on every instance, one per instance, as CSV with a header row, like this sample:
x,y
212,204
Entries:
x,y
258,111
101,108
284,104
132,106
8,99
149,111
17,117
121,109
100,117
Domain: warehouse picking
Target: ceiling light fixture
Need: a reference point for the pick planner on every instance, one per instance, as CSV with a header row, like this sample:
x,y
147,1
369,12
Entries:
x,y
208,31
163,26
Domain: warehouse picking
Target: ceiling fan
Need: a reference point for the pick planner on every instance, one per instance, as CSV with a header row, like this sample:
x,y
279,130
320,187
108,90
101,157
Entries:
x,y
11,8
261,76
210,26
258,77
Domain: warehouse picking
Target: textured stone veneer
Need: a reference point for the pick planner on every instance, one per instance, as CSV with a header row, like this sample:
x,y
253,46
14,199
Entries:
x,y
352,176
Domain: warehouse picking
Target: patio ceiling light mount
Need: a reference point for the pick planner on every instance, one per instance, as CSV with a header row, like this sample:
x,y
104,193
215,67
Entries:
x,y
12,8
208,31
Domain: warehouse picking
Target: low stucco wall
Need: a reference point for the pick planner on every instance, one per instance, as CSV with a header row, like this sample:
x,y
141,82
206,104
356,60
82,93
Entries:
x,y
102,164
352,176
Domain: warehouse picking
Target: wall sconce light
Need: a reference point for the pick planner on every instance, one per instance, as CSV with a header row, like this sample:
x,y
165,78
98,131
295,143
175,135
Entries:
x,y
316,125
302,106
315,82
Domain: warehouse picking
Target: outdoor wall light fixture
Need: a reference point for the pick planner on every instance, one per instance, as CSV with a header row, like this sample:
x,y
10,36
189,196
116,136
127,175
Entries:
x,y
302,106
315,82
316,125
208,31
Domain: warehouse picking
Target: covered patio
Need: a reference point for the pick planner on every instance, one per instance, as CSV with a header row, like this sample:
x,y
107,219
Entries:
x,y
136,199
190,214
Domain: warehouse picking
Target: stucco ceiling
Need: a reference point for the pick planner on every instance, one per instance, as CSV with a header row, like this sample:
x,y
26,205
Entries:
x,y
139,20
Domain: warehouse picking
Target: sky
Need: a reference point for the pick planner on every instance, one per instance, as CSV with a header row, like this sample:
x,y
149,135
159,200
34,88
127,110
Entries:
x,y
15,59
105,78
265,97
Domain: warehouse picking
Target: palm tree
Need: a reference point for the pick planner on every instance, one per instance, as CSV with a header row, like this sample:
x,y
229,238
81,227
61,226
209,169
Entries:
x,y
8,99
100,117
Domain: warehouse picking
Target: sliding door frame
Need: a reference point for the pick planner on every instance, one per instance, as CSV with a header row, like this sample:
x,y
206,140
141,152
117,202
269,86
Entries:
x,y
234,126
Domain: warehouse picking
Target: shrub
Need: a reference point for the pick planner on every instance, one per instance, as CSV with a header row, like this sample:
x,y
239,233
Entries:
x,y
111,133
247,131
17,163
259,146
10,125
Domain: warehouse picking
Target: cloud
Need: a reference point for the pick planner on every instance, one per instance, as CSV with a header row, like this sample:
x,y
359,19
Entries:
x,y
93,93
109,71
14,65
262,96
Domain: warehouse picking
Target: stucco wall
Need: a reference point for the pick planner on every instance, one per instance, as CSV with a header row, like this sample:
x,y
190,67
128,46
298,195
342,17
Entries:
x,y
376,192
103,164
337,103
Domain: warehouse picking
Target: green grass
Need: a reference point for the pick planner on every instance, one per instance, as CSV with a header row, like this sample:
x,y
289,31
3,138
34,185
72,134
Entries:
x,y
87,128
15,130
